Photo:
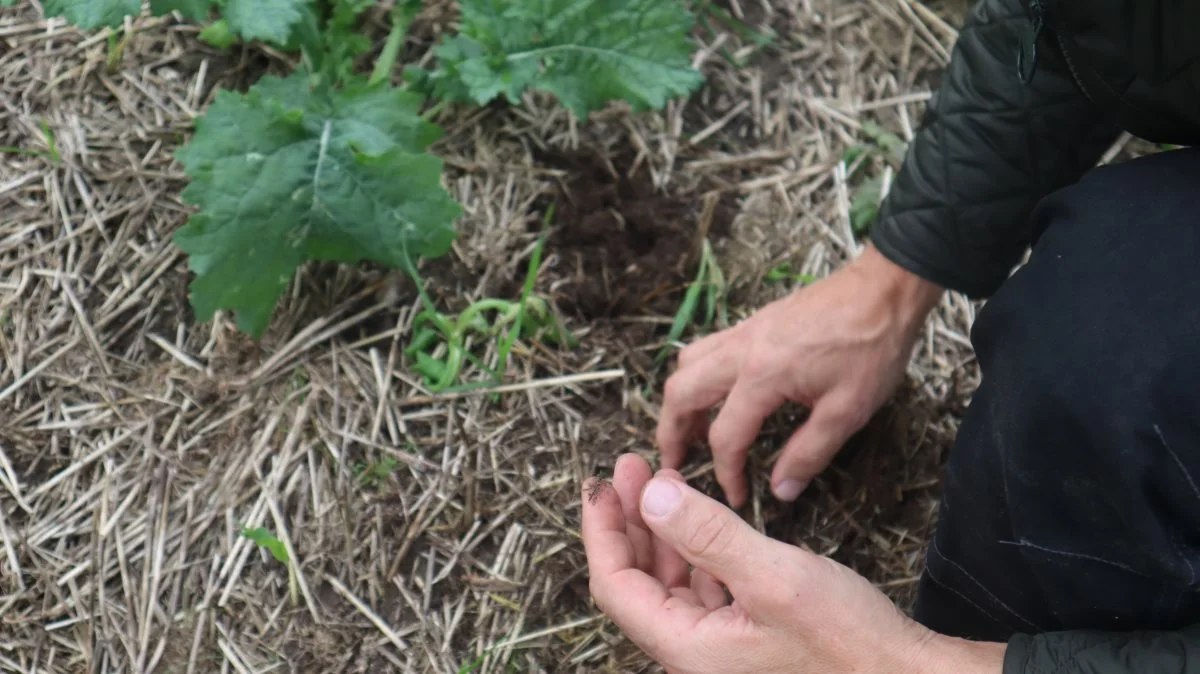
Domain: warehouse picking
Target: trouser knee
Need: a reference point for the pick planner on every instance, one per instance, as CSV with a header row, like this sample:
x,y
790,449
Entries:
x,y
1072,498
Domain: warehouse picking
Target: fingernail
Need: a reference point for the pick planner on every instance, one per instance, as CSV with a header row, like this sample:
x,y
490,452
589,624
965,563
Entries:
x,y
660,497
790,490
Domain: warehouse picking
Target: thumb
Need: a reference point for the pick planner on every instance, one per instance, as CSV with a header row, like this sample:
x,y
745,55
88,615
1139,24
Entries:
x,y
813,446
707,534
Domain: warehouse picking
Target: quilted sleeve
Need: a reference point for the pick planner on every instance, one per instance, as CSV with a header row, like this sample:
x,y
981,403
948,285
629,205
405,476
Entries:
x,y
989,147
1082,652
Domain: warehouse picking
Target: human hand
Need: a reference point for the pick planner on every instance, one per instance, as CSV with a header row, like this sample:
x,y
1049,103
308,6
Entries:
x,y
792,611
839,347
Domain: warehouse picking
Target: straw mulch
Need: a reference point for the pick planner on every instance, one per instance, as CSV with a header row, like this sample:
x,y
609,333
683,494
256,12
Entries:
x,y
426,532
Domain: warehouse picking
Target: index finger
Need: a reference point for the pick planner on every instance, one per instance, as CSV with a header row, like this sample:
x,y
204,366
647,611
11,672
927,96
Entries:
x,y
691,390
739,422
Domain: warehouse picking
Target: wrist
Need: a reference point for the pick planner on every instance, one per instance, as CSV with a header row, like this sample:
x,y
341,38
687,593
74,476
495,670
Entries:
x,y
910,295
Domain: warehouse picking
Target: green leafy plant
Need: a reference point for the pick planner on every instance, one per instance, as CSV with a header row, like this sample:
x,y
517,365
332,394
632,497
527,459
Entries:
x,y
885,141
435,330
322,173
332,165
864,205
584,52
267,541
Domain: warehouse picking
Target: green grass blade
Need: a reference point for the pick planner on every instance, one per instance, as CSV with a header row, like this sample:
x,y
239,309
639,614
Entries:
x,y
686,310
535,264
9,149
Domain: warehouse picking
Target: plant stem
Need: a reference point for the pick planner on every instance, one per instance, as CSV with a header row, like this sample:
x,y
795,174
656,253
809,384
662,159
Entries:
x,y
535,263
293,585
433,112
487,304
402,16
116,49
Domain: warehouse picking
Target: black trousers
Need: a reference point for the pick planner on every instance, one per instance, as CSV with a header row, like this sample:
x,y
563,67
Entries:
x,y
1072,495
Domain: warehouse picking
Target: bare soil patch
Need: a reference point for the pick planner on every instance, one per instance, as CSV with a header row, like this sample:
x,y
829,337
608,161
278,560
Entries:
x,y
629,248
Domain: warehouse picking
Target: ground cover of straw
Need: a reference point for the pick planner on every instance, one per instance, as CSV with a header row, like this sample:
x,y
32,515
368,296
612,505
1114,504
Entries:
x,y
135,443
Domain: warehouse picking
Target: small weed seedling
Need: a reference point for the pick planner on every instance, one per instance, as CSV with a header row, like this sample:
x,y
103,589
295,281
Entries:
x,y
50,153
441,346
371,474
510,666
864,205
709,283
885,140
783,273
267,541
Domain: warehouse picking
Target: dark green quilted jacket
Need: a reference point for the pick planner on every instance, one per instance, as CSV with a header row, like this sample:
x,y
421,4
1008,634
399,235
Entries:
x,y
1035,92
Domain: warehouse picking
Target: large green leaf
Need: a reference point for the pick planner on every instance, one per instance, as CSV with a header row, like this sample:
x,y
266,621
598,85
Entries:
x,y
284,174
91,14
195,10
266,20
585,52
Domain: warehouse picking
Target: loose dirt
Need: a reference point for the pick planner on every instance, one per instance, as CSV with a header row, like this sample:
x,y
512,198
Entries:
x,y
625,247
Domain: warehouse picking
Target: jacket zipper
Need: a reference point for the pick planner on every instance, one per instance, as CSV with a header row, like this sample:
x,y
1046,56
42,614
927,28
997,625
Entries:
x,y
1027,53
1062,46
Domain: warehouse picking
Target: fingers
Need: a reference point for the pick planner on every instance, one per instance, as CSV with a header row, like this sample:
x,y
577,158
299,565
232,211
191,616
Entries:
x,y
670,474
605,540
629,476
687,397
686,594
707,590
709,536
701,348
739,422
813,446
639,604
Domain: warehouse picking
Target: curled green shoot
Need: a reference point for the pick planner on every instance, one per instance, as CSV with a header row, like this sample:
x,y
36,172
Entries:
x,y
442,346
